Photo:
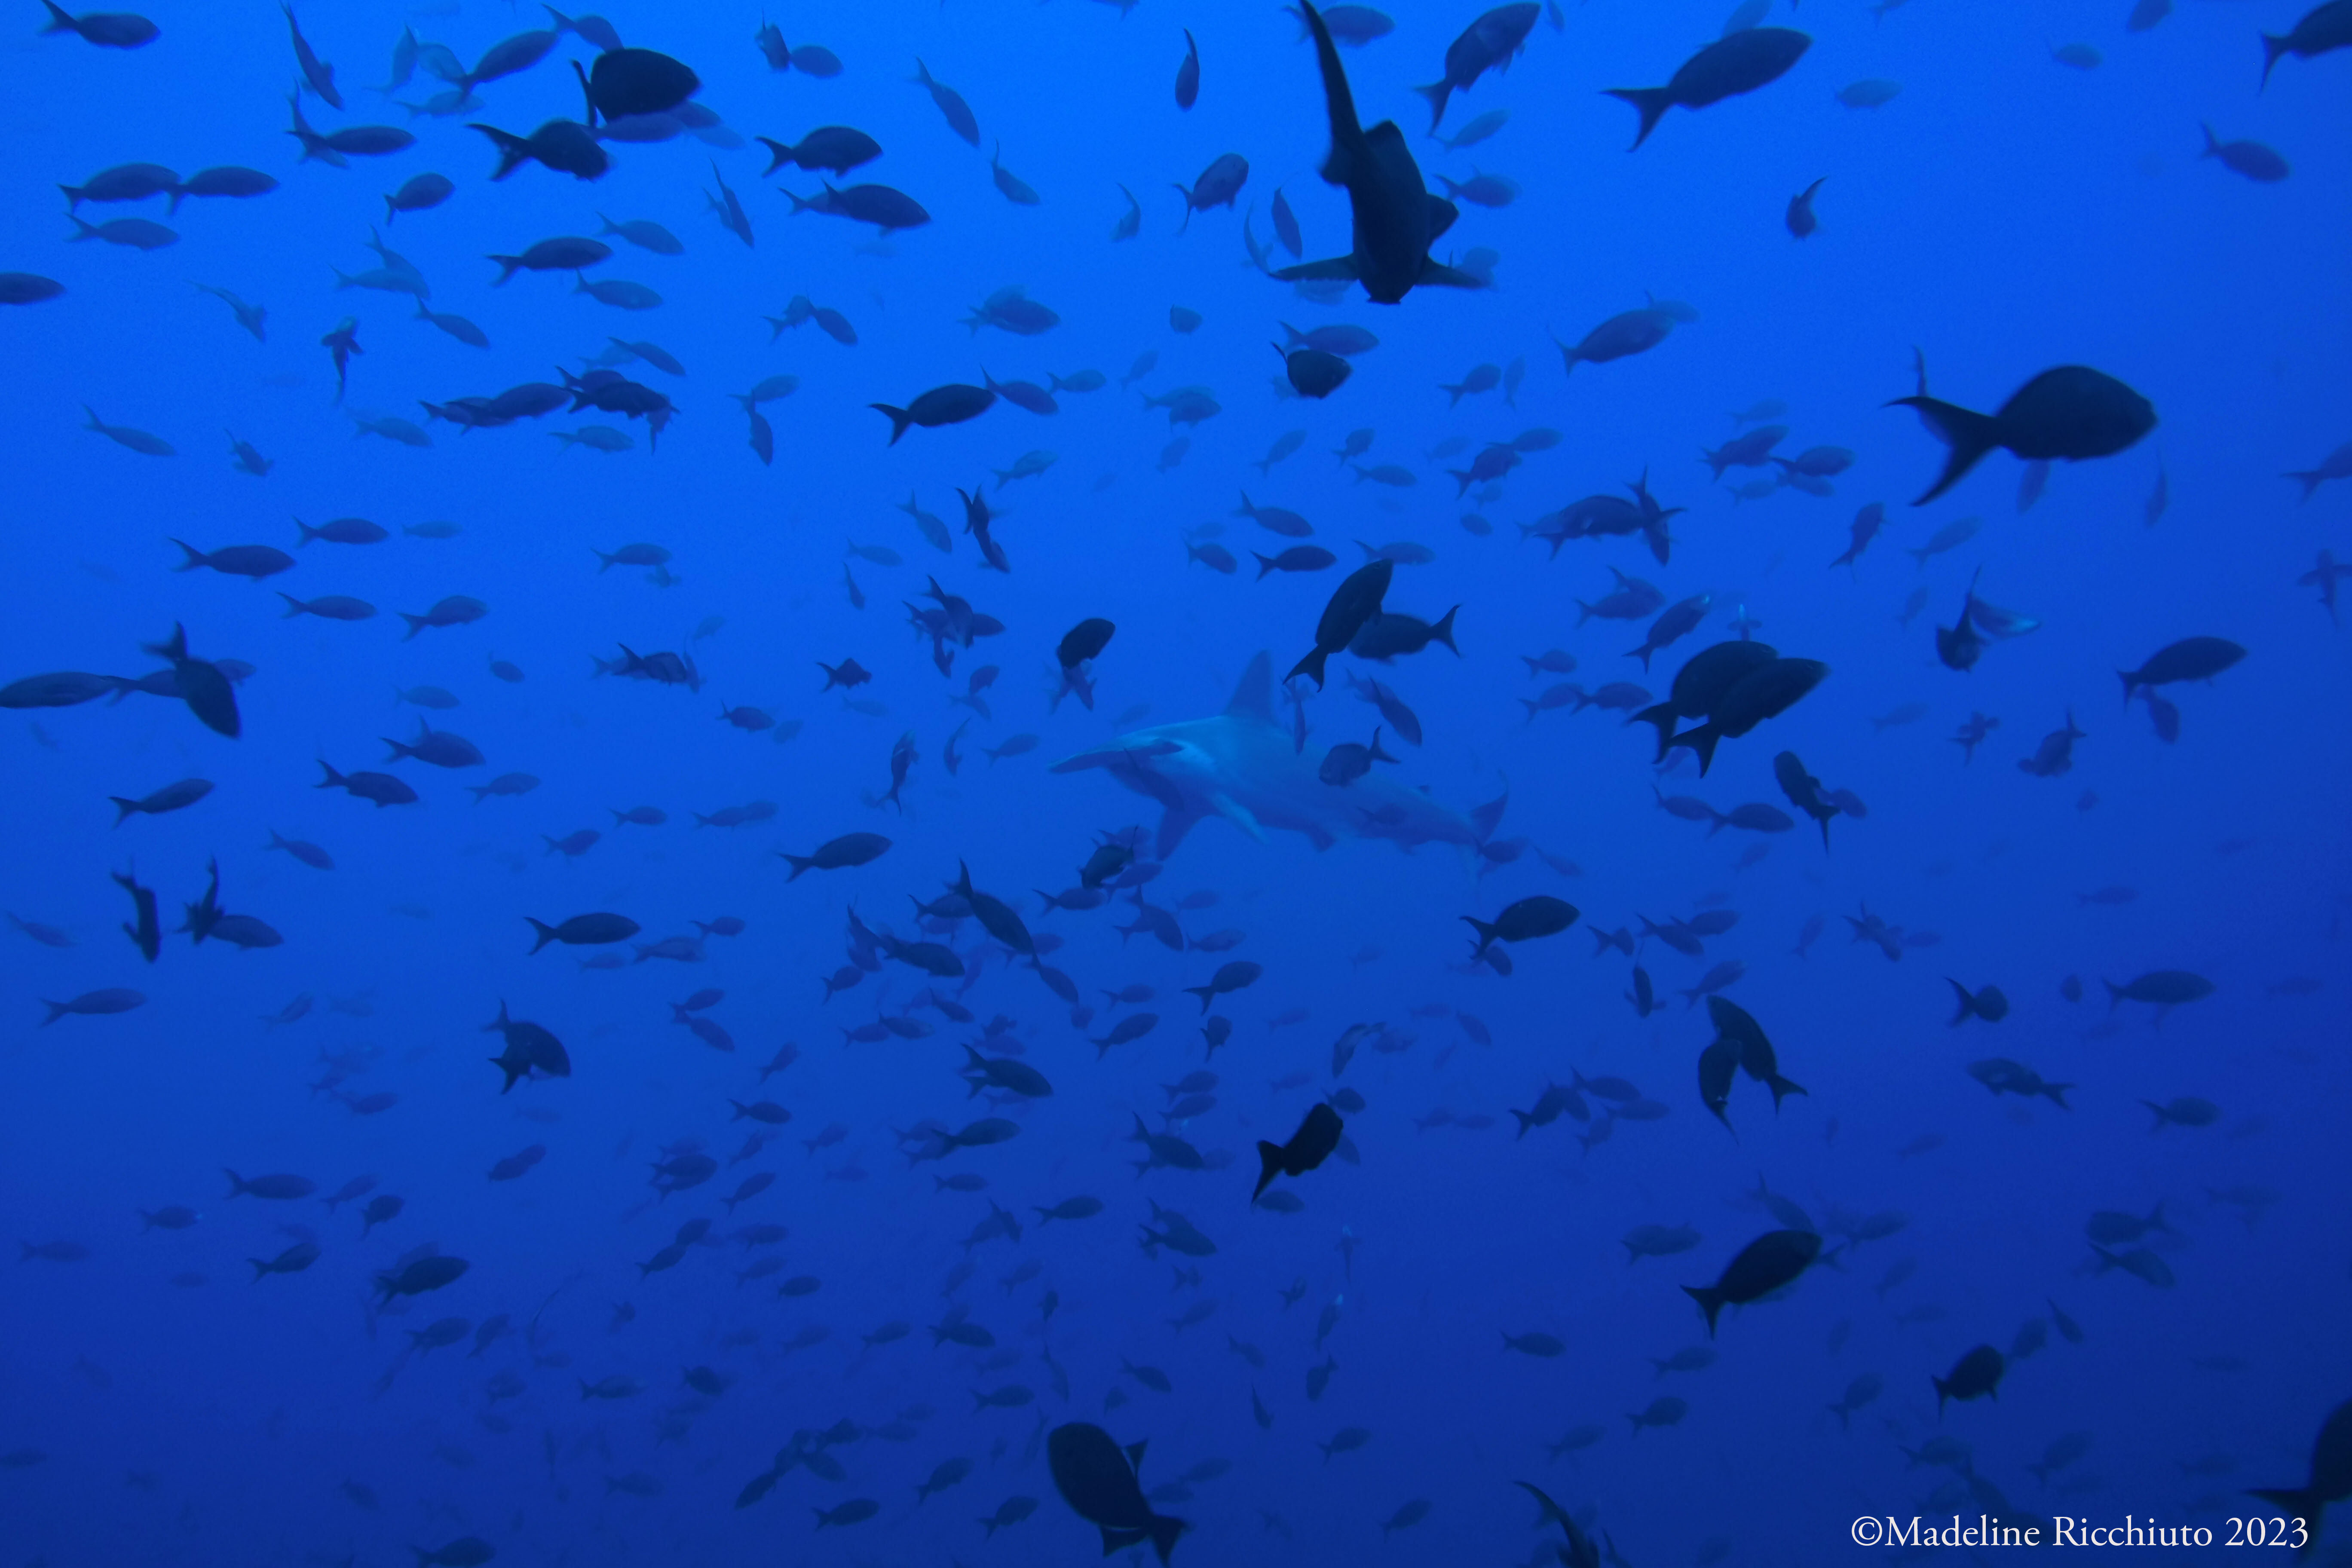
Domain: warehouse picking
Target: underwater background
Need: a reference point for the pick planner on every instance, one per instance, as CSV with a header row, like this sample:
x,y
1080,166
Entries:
x,y
801,1263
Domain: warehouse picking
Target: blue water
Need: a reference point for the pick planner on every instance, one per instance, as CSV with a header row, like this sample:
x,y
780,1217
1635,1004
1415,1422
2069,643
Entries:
x,y
164,1402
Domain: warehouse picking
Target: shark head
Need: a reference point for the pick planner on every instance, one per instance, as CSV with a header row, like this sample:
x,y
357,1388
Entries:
x,y
1241,765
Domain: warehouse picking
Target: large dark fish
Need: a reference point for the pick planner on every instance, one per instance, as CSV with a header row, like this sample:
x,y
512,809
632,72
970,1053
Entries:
x,y
1747,59
2331,1473
1765,692
1764,1265
2071,412
634,81
2324,28
1308,1147
203,687
1487,44
950,404
1354,603
1396,218
1098,1480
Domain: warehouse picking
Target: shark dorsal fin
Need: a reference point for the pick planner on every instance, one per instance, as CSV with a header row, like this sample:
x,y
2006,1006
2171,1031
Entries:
x,y
1254,697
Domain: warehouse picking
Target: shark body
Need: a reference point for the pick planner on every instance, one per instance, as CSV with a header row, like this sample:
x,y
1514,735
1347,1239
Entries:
x,y
1243,766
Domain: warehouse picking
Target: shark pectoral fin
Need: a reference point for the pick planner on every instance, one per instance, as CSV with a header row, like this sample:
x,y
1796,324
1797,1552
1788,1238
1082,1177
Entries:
x,y
1239,816
1433,271
1097,759
1317,271
1442,214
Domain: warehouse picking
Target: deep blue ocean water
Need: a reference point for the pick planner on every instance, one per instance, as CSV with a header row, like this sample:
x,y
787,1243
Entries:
x,y
164,1400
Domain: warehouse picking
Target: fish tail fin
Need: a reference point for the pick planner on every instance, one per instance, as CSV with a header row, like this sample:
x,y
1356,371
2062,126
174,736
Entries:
x,y
333,779
1650,102
196,556
1661,715
1782,1088
2115,994
56,1010
2273,48
546,933
1439,94
1207,994
507,267
2057,1093
1966,1003
1163,1531
1186,192
1269,1163
2161,1118
514,152
1845,1417
1710,1301
899,419
61,21
1701,740
1526,1121
1486,934
1444,630
1969,434
2213,143
1943,1392
1312,665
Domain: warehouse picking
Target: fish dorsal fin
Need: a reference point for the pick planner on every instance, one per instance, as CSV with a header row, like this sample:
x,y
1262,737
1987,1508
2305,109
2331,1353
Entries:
x,y
1254,697
1135,1455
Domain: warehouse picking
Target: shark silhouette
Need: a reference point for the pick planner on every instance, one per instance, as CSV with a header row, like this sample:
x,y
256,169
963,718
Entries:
x,y
1243,766
1396,219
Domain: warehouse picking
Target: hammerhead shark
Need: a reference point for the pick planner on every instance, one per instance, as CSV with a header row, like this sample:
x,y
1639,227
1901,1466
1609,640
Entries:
x,y
1243,766
1396,218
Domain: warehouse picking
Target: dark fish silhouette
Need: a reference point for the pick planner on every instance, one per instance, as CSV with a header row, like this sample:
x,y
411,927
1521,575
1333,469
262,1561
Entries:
x,y
1308,1147
1487,44
1766,691
2071,412
2331,1461
1396,219
1100,1482
1747,59
1353,604
202,686
2322,29
1977,1374
1542,915
950,404
1766,1264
